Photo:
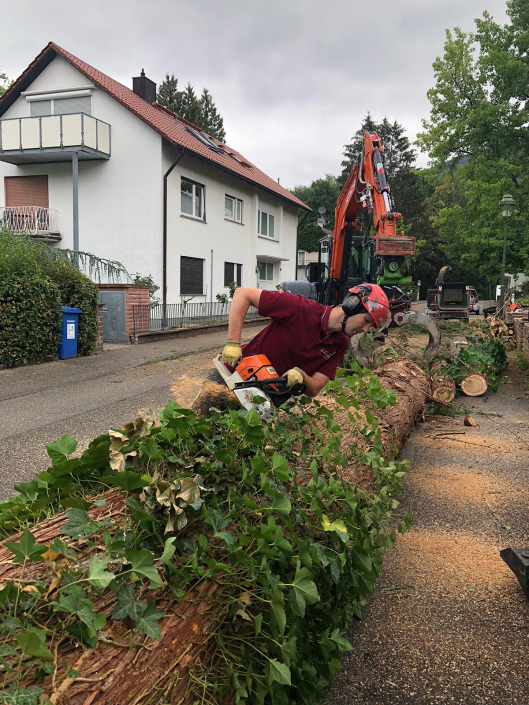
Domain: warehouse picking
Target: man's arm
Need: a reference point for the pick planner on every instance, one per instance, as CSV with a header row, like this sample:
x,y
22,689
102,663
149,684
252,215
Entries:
x,y
243,298
315,383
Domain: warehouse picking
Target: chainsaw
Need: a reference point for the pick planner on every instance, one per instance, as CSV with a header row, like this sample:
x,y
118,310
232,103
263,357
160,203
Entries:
x,y
257,385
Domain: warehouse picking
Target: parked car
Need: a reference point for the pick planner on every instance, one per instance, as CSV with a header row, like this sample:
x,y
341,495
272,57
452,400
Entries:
x,y
474,302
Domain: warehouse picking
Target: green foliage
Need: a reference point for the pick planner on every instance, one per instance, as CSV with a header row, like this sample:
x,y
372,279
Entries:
x,y
34,284
291,547
478,143
4,83
321,192
202,111
484,355
78,291
147,281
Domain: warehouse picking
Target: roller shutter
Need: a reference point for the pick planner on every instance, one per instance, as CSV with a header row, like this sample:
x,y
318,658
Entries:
x,y
27,191
191,275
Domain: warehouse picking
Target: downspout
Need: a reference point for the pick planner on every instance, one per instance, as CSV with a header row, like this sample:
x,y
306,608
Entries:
x,y
297,241
164,247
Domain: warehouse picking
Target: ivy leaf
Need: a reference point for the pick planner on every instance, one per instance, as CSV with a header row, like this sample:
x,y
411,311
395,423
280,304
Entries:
x,y
281,505
280,616
78,525
278,673
76,503
280,467
127,480
142,563
27,549
338,526
30,644
342,643
168,551
61,449
21,696
127,605
405,525
148,622
98,576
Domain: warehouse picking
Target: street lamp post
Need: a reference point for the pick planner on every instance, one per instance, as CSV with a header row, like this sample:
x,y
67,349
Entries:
x,y
507,205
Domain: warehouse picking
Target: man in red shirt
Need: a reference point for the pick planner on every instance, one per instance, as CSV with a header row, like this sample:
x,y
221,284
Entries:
x,y
306,340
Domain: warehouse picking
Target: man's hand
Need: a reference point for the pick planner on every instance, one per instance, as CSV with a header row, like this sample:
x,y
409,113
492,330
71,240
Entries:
x,y
231,354
294,376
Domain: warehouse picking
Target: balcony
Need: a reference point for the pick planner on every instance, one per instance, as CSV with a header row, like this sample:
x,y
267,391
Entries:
x,y
53,138
33,220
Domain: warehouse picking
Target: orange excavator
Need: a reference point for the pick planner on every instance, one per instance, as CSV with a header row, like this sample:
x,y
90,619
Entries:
x,y
352,255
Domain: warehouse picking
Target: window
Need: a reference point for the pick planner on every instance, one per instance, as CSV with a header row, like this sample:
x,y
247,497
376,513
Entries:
x,y
301,257
193,199
191,275
266,224
232,273
266,271
61,106
233,208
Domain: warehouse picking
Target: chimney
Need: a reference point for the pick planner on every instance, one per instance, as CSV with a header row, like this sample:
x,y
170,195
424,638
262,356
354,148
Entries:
x,y
144,87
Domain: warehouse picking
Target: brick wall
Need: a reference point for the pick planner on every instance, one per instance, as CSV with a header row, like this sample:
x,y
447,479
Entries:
x,y
99,344
135,295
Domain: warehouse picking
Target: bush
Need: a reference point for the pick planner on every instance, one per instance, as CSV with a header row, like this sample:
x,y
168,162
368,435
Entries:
x,y
30,318
525,287
78,291
33,288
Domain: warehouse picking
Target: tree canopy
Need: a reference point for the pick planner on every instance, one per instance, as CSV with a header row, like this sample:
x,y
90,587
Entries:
x,y
321,192
202,111
478,141
4,83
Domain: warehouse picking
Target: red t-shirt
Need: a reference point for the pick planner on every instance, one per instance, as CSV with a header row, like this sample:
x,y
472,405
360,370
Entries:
x,y
297,336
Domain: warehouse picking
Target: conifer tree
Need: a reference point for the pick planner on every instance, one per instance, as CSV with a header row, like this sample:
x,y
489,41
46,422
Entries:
x,y
211,121
168,94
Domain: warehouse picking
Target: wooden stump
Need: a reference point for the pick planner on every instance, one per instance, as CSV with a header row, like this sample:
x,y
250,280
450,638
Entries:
x,y
443,388
474,385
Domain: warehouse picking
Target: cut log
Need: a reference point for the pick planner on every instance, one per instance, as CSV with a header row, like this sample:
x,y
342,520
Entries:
x,y
443,388
474,385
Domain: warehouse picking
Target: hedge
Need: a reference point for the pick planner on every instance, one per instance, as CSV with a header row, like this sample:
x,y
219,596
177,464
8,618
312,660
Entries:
x,y
33,287
30,318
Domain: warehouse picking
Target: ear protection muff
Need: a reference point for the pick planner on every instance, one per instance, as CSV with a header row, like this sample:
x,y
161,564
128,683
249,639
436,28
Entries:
x,y
350,304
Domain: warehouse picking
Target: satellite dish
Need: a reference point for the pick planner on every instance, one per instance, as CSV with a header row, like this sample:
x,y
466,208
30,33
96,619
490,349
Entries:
x,y
322,210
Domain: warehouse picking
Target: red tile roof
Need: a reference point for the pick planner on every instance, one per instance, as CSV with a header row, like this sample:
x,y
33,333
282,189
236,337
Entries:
x,y
156,116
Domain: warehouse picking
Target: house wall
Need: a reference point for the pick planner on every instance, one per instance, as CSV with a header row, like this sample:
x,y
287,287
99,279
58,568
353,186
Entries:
x,y
120,199
229,241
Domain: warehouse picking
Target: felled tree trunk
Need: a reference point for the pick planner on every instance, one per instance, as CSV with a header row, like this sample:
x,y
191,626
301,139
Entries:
x,y
144,671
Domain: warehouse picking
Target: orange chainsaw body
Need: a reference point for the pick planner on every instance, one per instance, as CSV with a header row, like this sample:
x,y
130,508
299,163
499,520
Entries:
x,y
256,367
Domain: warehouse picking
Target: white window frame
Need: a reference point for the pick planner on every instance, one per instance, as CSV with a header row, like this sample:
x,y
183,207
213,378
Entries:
x,y
269,267
236,202
195,189
269,216
302,258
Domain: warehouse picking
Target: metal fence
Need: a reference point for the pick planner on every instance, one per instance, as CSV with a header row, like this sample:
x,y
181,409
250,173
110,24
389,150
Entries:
x,y
152,318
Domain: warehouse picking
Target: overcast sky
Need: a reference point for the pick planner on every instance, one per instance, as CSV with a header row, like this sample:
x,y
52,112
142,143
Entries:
x,y
291,78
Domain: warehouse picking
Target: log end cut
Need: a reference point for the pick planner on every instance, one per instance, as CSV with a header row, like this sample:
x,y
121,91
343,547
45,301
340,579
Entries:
x,y
474,385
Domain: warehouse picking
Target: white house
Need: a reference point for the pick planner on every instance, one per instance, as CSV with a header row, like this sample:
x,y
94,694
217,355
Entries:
x,y
95,166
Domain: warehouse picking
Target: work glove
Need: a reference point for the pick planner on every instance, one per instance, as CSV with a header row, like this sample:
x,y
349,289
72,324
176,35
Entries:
x,y
294,376
232,353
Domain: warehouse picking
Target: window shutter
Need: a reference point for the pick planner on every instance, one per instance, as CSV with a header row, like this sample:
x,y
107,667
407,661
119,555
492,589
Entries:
x,y
67,106
191,275
40,107
27,191
239,275
228,273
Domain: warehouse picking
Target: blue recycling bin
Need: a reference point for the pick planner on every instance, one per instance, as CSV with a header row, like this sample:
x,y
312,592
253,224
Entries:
x,y
69,333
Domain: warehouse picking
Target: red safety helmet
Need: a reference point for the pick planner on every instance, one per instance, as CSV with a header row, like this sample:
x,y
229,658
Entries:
x,y
370,298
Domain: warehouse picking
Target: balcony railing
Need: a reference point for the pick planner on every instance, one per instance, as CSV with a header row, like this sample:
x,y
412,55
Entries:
x,y
52,133
33,220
